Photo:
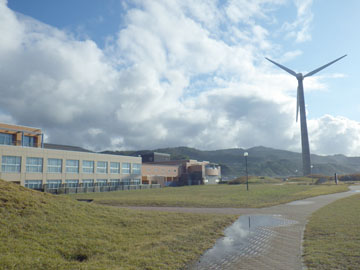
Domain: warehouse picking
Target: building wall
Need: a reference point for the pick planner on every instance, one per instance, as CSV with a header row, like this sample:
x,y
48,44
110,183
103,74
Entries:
x,y
24,152
161,174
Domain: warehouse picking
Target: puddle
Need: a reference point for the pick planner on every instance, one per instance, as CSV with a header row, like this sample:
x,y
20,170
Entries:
x,y
300,203
248,236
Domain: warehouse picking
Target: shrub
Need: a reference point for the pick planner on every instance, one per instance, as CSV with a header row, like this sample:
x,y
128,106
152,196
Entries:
x,y
350,177
238,181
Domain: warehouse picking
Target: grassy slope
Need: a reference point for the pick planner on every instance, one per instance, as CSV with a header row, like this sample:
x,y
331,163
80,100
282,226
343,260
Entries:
x,y
41,231
259,195
332,236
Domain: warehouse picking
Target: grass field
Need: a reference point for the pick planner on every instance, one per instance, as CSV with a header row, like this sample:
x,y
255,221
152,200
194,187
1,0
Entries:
x,y
42,231
332,236
259,195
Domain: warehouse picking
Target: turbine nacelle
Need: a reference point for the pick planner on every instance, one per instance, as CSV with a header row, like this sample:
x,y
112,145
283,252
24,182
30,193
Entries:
x,y
299,76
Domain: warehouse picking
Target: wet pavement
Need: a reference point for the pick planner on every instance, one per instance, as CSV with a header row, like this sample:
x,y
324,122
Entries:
x,y
249,236
264,238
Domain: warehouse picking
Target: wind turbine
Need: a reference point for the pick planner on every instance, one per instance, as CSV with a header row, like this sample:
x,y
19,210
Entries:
x,y
300,104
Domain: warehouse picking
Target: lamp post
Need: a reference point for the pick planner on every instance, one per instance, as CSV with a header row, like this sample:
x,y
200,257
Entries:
x,y
246,169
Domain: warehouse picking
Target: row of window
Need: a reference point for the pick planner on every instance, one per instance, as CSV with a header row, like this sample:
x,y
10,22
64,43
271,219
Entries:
x,y
8,139
38,184
161,170
12,164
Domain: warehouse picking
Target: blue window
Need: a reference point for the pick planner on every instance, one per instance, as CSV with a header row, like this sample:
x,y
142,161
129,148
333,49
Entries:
x,y
72,183
115,167
101,182
88,166
135,182
114,182
11,164
125,181
125,169
53,183
7,139
101,167
29,141
136,168
88,182
54,165
33,184
72,166
34,165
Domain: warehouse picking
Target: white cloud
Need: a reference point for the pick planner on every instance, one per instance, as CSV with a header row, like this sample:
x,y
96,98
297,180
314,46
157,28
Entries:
x,y
333,135
177,73
299,29
290,55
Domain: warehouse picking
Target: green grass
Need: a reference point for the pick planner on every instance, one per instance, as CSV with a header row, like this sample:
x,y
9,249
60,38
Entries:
x,y
255,180
259,195
332,236
42,231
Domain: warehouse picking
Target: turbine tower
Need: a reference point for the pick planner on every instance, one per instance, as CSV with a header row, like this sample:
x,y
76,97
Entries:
x,y
300,104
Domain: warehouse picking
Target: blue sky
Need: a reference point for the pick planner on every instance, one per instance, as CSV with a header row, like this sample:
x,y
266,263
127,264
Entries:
x,y
190,73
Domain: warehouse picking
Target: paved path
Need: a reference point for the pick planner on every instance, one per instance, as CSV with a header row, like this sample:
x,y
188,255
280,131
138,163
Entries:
x,y
273,246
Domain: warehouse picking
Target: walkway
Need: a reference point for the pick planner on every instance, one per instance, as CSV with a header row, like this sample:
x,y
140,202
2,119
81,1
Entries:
x,y
270,239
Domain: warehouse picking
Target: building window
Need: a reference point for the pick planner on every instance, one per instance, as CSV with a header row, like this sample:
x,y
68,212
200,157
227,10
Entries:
x,y
72,166
88,182
114,182
135,182
101,167
125,169
115,167
136,168
33,184
11,164
34,165
72,183
28,141
125,181
88,166
7,139
53,183
54,165
101,182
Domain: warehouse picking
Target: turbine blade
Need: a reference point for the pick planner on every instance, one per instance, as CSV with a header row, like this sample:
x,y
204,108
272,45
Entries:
x,y
282,67
324,66
297,105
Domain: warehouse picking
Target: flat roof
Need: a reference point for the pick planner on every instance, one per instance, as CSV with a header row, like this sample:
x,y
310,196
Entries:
x,y
66,147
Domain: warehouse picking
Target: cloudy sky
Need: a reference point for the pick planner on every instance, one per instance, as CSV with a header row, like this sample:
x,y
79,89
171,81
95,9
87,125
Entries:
x,y
118,74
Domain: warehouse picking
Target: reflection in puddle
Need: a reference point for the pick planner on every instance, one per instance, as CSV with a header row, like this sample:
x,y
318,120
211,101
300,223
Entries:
x,y
248,236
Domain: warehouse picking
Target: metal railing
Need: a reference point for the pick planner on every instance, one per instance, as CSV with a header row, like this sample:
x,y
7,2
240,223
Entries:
x,y
63,189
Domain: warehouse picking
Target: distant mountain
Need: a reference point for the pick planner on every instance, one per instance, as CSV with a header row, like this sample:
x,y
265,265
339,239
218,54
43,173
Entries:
x,y
261,161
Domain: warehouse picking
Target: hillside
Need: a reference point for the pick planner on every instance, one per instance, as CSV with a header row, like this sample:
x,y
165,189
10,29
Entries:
x,y
261,160
43,231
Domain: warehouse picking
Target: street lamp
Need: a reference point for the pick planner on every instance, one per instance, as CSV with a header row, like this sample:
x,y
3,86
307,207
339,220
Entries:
x,y
247,177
